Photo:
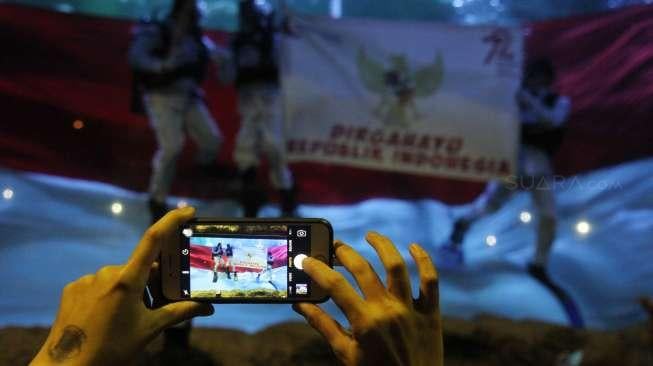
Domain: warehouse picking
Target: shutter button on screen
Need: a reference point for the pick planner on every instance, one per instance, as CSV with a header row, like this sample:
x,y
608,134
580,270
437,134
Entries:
x,y
298,261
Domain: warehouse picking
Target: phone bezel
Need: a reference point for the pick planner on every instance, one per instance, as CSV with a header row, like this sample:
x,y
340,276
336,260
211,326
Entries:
x,y
171,272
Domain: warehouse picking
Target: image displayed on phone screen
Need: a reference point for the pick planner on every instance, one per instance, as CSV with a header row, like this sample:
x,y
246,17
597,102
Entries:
x,y
244,261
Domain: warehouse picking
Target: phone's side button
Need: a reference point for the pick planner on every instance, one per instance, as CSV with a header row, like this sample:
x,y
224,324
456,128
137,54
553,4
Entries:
x,y
321,258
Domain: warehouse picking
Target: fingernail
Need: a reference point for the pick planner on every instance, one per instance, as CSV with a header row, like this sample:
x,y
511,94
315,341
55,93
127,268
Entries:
x,y
188,209
306,261
207,310
210,310
416,247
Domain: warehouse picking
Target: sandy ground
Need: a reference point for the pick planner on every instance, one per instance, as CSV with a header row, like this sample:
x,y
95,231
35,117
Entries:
x,y
486,341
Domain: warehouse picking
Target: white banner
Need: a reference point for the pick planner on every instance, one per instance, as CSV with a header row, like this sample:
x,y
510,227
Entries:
x,y
420,98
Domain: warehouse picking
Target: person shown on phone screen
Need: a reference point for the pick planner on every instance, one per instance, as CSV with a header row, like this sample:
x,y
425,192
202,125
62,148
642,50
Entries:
x,y
228,264
268,268
103,319
217,252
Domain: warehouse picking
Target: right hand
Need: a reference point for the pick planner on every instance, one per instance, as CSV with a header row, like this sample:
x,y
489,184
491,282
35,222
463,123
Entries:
x,y
388,326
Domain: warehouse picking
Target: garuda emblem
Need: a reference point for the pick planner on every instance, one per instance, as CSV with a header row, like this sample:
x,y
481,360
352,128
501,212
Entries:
x,y
398,85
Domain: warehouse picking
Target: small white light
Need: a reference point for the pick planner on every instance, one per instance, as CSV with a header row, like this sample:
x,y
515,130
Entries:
x,y
335,8
182,204
583,227
298,261
8,193
525,217
458,3
65,8
116,208
491,240
188,232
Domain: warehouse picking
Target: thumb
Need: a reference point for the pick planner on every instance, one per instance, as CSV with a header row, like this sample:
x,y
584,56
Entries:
x,y
177,312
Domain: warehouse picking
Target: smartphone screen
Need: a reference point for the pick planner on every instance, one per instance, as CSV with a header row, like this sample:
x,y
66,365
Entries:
x,y
245,261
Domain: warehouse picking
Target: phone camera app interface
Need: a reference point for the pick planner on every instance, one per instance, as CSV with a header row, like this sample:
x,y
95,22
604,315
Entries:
x,y
244,261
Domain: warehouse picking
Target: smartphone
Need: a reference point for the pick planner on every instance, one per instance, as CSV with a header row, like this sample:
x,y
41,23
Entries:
x,y
246,260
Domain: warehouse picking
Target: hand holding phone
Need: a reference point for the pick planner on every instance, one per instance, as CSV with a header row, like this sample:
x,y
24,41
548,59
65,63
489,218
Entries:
x,y
387,325
102,319
246,260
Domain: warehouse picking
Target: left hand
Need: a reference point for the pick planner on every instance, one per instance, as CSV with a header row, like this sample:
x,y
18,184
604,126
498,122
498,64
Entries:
x,y
102,319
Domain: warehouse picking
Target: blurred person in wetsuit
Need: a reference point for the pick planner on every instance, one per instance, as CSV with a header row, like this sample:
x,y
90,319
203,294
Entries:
x,y
543,114
255,48
170,60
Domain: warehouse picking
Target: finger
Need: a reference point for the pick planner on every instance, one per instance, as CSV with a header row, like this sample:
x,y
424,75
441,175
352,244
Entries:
x,y
86,280
163,231
395,267
108,272
174,313
331,330
428,280
368,281
337,287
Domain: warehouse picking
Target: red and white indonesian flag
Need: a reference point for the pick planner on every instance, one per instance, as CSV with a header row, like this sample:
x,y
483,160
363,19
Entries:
x,y
418,98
